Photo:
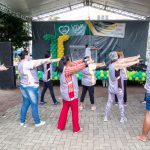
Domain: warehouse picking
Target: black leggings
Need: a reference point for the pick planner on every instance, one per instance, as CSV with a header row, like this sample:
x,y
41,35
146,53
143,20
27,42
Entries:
x,y
125,93
48,85
91,93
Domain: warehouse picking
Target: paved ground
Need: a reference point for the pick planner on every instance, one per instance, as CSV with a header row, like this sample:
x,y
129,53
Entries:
x,y
97,135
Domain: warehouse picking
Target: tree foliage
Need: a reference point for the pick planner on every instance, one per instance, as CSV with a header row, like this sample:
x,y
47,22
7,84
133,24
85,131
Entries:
x,y
12,29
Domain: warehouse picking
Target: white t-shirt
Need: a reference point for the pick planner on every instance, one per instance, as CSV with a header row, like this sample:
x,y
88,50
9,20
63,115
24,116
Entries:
x,y
88,52
28,73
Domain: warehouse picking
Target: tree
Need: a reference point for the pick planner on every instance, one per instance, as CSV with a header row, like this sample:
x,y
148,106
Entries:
x,y
12,29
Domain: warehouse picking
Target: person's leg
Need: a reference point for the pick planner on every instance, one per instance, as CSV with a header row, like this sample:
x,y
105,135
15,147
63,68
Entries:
x,y
25,104
75,118
43,92
63,116
116,99
121,104
91,94
33,93
125,92
111,98
50,86
143,101
146,124
146,128
84,90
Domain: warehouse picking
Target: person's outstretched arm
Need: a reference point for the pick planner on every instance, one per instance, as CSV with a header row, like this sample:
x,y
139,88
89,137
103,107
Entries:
x,y
129,59
99,65
3,68
73,69
39,62
125,65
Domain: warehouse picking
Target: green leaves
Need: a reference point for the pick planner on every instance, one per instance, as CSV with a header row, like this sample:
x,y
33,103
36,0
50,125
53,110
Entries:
x,y
12,29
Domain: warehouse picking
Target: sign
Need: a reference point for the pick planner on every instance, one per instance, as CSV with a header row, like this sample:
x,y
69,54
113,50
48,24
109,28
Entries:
x,y
70,28
107,29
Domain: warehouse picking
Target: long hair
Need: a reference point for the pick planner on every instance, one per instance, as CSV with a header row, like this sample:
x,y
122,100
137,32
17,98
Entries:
x,y
62,63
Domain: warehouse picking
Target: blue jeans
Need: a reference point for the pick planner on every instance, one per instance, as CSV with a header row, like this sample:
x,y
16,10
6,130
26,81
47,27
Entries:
x,y
148,101
30,97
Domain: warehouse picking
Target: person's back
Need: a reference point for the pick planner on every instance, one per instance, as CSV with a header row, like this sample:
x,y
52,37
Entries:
x,y
88,75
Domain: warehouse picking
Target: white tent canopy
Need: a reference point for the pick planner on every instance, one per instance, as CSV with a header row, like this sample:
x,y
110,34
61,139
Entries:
x,y
33,8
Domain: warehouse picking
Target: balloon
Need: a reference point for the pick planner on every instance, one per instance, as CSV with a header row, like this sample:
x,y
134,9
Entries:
x,y
60,45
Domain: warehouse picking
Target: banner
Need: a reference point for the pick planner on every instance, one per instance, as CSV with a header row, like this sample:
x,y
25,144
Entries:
x,y
107,29
88,27
71,28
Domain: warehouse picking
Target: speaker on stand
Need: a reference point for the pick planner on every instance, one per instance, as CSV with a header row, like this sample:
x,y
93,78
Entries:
x,y
7,78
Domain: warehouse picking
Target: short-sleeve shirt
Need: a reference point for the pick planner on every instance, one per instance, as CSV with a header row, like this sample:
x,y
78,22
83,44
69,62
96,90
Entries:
x,y
88,75
88,52
28,73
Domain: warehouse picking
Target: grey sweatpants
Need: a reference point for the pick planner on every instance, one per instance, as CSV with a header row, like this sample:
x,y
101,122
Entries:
x,y
111,98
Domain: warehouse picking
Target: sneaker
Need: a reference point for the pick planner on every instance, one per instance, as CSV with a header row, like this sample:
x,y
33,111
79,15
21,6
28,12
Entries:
x,y
22,124
59,130
105,119
116,104
81,107
143,102
125,104
42,103
40,124
57,103
123,119
81,129
93,107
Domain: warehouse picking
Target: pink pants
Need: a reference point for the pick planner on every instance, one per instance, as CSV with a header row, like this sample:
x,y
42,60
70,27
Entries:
x,y
64,113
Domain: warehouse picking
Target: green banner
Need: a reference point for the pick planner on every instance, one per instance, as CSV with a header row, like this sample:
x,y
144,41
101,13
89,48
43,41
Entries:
x,y
71,28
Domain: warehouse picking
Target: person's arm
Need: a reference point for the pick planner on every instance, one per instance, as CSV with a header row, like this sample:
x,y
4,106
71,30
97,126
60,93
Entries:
x,y
78,67
99,65
73,69
55,60
93,48
39,62
125,65
129,59
74,63
3,68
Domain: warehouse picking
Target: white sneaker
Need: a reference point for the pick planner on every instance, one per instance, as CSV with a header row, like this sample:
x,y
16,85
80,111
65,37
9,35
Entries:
x,y
81,107
93,107
123,119
105,119
81,129
40,124
22,124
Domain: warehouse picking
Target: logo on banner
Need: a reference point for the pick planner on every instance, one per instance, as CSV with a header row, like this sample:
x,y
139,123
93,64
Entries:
x,y
74,28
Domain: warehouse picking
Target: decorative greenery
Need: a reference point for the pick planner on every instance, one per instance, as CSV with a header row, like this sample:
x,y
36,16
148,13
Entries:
x,y
13,29
139,76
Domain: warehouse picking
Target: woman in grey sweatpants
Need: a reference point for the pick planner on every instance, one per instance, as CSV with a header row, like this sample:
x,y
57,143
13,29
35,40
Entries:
x,y
116,82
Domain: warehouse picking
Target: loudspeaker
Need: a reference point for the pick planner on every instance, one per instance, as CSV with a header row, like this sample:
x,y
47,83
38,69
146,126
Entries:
x,y
7,78
6,55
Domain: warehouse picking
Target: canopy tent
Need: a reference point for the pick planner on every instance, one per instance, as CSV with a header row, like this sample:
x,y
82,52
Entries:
x,y
33,8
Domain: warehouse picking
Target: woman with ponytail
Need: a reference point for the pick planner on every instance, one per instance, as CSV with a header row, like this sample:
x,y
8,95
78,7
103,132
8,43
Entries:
x,y
69,90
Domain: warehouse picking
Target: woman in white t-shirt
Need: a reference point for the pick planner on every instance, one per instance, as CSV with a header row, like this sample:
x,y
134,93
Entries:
x,y
29,86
